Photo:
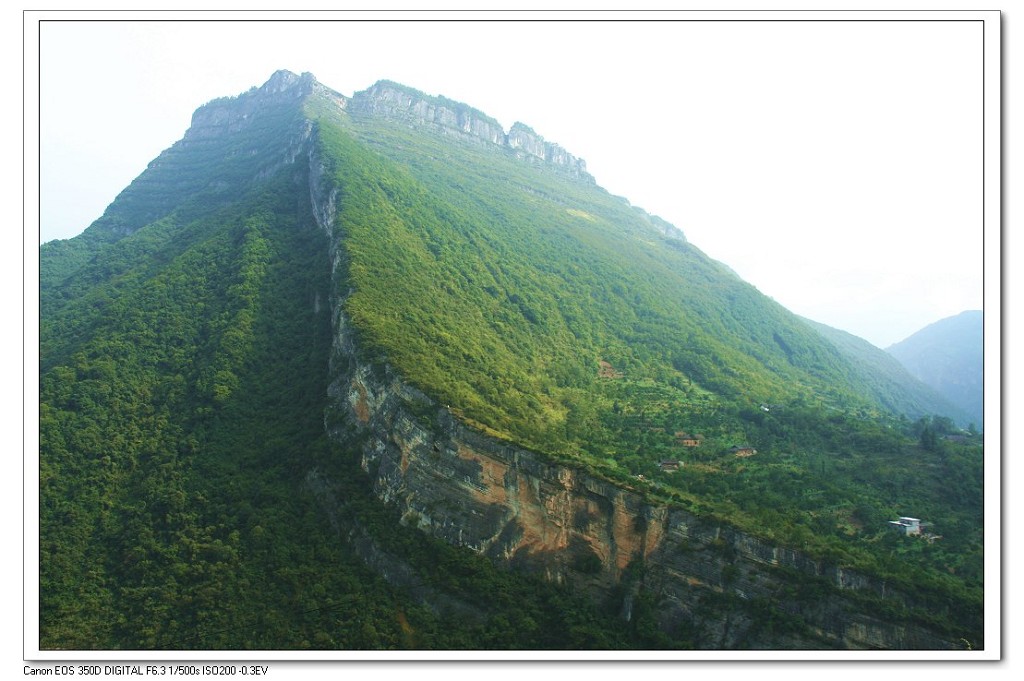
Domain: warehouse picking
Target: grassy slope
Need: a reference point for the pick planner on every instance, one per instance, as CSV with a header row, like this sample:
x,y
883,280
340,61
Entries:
x,y
498,288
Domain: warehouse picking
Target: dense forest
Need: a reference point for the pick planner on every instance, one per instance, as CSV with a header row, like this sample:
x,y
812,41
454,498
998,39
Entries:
x,y
552,317
176,441
191,498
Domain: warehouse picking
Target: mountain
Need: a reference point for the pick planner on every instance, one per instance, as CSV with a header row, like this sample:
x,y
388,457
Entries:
x,y
889,381
371,372
948,356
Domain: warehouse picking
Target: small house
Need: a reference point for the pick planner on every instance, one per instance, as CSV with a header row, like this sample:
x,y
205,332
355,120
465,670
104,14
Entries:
x,y
670,466
687,440
742,450
910,527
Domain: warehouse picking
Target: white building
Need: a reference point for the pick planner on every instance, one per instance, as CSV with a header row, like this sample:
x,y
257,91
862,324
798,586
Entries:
x,y
908,526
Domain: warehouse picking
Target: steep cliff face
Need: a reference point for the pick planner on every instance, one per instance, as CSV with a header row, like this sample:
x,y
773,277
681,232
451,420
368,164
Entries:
x,y
530,145
398,102
571,526
706,581
391,100
512,505
223,117
232,142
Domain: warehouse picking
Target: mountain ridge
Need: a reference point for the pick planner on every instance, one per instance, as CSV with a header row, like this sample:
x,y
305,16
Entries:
x,y
948,355
389,99
893,383
476,311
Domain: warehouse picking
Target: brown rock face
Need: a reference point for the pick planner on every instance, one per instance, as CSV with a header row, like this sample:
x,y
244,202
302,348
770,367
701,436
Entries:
x,y
571,527
564,523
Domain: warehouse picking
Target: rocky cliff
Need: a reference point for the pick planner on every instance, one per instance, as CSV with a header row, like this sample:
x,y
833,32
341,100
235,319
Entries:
x,y
571,526
232,142
523,510
510,504
398,102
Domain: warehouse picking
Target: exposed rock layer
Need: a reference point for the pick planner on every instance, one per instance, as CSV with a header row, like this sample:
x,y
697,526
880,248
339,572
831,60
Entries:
x,y
398,102
511,504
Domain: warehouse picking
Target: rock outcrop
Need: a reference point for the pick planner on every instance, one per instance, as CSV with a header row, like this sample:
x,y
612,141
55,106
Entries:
x,y
567,524
570,526
232,142
397,102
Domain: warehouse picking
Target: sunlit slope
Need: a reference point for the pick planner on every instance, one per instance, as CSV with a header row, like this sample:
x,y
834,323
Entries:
x,y
185,342
183,382
500,287
890,383
548,312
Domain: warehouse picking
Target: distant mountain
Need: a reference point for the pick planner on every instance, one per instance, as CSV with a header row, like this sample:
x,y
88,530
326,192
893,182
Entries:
x,y
948,356
889,381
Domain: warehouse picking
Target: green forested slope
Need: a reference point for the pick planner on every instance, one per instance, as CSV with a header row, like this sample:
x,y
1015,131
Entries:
x,y
183,385
175,442
500,287
150,423
208,167
184,342
895,388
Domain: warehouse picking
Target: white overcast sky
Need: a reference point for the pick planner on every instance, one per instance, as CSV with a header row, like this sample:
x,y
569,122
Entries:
x,y
834,164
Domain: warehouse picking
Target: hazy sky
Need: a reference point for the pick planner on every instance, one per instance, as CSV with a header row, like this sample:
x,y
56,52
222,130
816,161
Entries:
x,y
836,165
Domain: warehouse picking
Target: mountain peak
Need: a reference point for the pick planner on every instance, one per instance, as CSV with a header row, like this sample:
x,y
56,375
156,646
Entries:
x,y
395,101
219,116
948,355
285,80
387,298
281,79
